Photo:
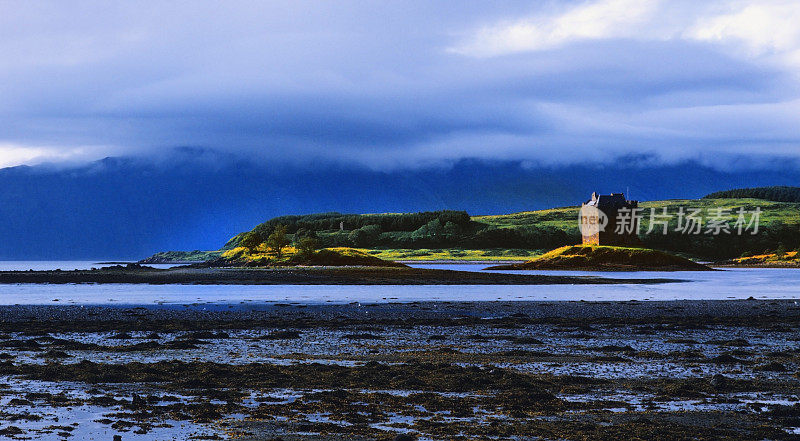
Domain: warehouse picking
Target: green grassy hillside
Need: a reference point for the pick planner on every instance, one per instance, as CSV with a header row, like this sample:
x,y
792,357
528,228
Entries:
x,y
454,235
779,224
341,256
603,258
565,218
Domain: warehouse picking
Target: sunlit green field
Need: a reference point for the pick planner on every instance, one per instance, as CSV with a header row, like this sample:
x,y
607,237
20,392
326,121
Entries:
x,y
567,217
562,218
426,254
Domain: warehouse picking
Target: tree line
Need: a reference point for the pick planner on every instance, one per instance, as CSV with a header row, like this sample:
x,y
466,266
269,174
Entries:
x,y
432,229
776,193
386,222
770,238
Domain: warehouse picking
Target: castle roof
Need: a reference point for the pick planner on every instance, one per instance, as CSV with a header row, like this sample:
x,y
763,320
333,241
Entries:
x,y
613,201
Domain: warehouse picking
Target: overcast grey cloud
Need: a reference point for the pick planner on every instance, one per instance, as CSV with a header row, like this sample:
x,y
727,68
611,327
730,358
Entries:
x,y
401,84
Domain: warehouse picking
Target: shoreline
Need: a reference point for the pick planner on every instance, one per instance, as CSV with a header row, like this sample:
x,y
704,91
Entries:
x,y
66,318
509,262
770,266
302,276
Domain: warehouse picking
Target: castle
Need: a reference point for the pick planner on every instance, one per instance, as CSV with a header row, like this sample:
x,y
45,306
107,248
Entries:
x,y
605,231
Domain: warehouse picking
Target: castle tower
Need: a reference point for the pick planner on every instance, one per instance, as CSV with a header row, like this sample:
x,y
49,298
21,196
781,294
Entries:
x,y
606,217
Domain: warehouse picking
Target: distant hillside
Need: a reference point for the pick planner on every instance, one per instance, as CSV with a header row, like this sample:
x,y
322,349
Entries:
x,y
777,194
123,208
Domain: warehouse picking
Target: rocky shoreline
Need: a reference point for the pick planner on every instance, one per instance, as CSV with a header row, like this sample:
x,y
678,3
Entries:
x,y
434,370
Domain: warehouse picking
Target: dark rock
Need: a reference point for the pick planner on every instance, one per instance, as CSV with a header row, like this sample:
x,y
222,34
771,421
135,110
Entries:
x,y
528,341
725,359
772,367
719,381
138,402
11,431
189,343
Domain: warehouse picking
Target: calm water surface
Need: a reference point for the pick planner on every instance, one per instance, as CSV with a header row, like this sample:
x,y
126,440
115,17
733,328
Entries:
x,y
759,283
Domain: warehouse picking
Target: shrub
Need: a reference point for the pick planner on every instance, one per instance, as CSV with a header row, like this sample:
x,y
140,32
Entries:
x,y
278,240
365,236
306,246
251,240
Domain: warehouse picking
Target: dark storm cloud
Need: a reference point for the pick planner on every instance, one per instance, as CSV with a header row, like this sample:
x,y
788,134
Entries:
x,y
395,84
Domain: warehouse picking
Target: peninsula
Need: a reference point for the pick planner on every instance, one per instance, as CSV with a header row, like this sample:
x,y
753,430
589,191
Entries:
x,y
606,258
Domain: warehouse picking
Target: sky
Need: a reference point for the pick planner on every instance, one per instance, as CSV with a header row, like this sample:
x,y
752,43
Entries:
x,y
402,84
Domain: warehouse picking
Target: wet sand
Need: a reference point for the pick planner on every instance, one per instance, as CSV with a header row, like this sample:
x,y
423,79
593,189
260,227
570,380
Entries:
x,y
433,370
302,276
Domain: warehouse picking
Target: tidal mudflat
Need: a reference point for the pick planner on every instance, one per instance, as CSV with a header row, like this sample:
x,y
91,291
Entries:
x,y
436,370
